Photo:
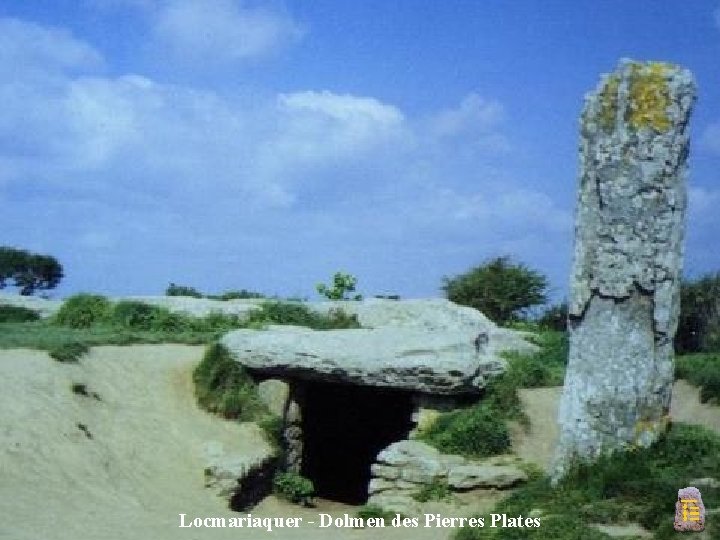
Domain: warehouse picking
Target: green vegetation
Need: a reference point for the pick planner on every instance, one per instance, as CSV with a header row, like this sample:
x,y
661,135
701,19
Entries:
x,y
294,488
298,314
699,321
342,285
70,351
437,490
639,486
373,511
182,290
481,430
222,386
476,431
702,370
28,272
17,314
554,318
501,289
91,320
83,311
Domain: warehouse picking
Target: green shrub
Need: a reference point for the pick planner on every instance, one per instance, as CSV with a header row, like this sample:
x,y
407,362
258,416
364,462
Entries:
x,y
222,386
295,313
554,318
83,311
499,288
342,285
17,314
294,488
373,511
699,321
437,490
477,431
702,370
134,314
637,486
235,295
69,352
182,290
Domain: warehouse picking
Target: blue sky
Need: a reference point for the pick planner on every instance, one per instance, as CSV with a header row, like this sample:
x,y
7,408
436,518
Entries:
x,y
230,144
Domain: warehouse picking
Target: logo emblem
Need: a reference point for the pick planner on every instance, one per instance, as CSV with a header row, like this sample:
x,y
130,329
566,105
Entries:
x,y
689,510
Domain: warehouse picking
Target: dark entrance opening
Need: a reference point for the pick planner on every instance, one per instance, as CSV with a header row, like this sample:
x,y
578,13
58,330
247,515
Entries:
x,y
344,428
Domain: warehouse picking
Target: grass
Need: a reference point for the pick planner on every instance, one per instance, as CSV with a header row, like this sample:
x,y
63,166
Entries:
x,y
481,430
17,314
477,431
437,490
639,486
69,351
702,370
222,386
92,320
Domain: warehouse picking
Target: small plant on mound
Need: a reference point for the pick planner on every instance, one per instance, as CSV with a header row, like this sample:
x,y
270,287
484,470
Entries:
x,y
702,370
69,352
134,314
295,313
342,285
17,314
437,490
477,431
182,290
83,311
374,511
294,488
222,386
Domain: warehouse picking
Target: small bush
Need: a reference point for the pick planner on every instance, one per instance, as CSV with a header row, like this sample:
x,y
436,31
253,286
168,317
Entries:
x,y
294,488
83,311
499,288
554,318
69,352
294,313
437,490
182,290
222,386
702,370
133,314
478,431
342,284
17,314
699,322
373,511
236,295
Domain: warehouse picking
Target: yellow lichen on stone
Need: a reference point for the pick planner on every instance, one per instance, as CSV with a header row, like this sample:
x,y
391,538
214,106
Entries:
x,y
649,96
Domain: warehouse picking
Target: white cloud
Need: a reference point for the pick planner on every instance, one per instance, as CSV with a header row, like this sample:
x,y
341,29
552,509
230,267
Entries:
x,y
474,114
146,171
223,30
25,47
710,138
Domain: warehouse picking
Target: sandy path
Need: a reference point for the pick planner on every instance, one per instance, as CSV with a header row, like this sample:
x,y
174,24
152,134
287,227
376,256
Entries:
x,y
541,405
143,465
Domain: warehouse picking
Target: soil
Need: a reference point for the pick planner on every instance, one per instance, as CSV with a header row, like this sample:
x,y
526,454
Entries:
x,y
123,456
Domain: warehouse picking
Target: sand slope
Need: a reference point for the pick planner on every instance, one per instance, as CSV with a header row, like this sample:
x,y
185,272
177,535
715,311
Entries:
x,y
138,462
144,463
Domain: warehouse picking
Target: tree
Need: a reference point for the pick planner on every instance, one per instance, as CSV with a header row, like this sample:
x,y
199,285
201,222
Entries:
x,y
499,288
699,321
342,285
28,271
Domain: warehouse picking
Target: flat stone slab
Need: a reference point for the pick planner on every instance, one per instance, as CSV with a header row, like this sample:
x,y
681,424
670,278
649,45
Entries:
x,y
408,358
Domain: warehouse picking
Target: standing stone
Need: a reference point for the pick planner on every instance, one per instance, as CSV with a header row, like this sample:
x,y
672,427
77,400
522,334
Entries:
x,y
624,290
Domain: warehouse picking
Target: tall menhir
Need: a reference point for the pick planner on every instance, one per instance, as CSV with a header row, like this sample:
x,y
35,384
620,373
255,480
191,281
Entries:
x,y
624,289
